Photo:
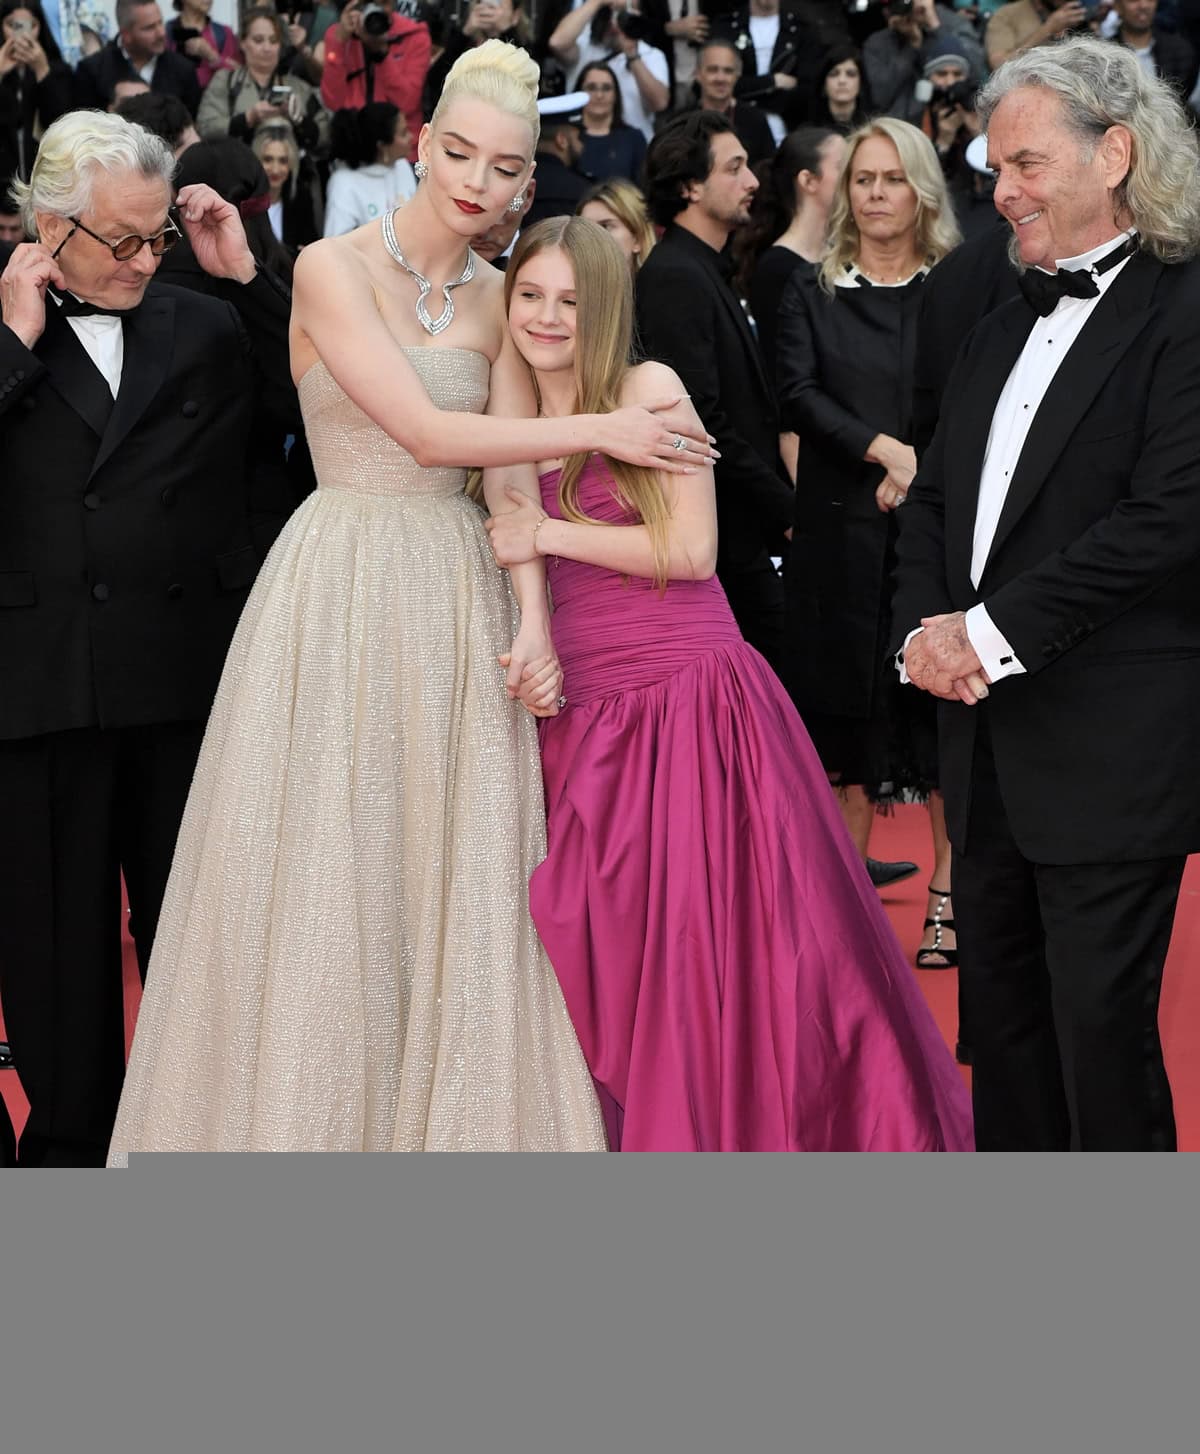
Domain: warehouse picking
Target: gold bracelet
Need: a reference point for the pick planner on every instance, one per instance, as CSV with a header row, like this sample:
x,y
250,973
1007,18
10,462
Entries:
x,y
536,528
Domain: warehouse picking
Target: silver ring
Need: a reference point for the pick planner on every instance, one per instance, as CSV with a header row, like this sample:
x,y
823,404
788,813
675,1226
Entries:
x,y
561,703
677,442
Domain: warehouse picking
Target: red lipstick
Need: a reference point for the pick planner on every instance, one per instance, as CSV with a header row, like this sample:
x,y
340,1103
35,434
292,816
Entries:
x,y
469,207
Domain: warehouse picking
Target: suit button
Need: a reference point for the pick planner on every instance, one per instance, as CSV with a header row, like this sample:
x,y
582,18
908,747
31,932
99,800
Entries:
x,y
174,591
1047,651
168,496
100,592
91,501
19,375
190,409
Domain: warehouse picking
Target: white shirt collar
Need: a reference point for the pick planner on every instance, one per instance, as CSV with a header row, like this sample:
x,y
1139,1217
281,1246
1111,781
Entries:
x,y
1086,261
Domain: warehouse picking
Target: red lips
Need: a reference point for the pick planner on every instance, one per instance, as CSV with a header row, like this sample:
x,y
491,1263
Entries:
x,y
470,208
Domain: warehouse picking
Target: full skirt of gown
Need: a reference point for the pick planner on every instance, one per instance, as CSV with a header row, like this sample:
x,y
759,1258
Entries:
x,y
732,976
345,959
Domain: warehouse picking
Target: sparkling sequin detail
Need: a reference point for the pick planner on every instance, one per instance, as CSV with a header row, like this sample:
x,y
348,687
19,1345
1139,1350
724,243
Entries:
x,y
345,959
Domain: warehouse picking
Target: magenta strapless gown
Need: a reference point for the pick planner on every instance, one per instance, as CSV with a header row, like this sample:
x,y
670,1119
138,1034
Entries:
x,y
731,974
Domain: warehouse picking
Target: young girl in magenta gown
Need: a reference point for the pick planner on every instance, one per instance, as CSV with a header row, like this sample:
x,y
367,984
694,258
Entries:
x,y
733,980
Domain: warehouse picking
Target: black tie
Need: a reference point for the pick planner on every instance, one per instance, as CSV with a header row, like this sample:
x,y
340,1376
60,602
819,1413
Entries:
x,y
1043,291
72,307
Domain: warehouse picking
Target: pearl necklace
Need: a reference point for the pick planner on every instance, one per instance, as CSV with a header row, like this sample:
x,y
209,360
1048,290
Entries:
x,y
446,317
883,280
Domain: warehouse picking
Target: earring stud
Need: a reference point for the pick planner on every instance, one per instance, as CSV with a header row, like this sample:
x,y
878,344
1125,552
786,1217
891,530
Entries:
x,y
420,171
517,202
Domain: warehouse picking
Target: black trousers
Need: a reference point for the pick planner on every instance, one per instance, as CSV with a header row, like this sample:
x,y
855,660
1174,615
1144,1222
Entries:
x,y
1060,971
756,599
78,809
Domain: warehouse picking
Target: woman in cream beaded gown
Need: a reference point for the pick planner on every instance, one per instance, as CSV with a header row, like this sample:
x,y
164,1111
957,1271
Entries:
x,y
345,960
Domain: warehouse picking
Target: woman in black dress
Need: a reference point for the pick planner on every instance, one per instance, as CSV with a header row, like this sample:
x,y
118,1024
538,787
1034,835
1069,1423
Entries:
x,y
841,98
610,147
35,85
846,340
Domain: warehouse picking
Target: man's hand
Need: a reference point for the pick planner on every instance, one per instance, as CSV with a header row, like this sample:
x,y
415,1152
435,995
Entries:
x,y
689,27
23,290
214,228
941,660
1066,17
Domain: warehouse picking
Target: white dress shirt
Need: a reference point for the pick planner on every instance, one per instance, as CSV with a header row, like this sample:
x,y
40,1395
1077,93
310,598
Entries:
x,y
1048,344
103,339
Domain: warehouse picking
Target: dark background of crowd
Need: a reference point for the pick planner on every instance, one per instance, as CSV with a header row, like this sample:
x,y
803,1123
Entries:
x,y
330,96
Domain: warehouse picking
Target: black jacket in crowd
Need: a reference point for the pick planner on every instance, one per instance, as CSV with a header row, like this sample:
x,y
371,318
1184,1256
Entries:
x,y
96,77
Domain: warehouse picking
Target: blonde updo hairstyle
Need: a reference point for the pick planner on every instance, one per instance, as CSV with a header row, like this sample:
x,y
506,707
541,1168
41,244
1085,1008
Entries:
x,y
501,74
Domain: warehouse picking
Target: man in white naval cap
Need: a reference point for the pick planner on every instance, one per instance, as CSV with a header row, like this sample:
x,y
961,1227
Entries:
x,y
560,184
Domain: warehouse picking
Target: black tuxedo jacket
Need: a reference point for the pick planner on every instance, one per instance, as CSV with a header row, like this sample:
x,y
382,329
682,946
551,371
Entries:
x,y
1092,576
807,30
97,75
126,549
689,317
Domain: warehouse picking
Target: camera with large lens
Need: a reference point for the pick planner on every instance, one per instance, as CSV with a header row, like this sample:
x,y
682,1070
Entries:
x,y
376,21
960,93
636,27
898,7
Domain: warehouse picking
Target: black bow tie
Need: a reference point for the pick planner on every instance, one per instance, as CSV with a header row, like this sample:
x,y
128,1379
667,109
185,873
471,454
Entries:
x,y
1044,291
69,306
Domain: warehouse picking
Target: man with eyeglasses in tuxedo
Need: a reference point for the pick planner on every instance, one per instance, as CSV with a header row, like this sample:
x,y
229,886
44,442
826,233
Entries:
x,y
126,555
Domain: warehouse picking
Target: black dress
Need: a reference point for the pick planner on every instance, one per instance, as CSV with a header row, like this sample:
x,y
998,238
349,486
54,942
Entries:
x,y
619,153
845,372
772,273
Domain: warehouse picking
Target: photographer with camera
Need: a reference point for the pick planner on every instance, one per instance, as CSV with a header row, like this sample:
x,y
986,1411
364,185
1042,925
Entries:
x,y
375,54
895,57
260,92
1027,23
35,85
614,31
485,20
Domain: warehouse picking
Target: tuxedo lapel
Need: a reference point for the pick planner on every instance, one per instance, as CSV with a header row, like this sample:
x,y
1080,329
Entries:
x,y
1118,318
738,315
73,373
967,438
149,337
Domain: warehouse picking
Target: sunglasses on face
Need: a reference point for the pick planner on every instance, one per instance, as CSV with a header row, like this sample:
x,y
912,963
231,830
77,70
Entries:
x,y
126,248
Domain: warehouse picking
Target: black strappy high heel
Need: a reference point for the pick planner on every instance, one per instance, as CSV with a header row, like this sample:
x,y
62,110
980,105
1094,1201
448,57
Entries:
x,y
939,925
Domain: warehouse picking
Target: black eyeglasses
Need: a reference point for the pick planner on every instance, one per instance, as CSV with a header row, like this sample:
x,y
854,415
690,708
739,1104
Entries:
x,y
128,247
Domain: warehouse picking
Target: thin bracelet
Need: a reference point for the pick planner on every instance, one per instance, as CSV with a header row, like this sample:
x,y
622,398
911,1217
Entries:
x,y
536,528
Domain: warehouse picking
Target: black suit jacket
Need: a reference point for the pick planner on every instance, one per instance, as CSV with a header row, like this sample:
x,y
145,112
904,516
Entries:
x,y
689,317
97,75
1174,60
126,549
966,285
1092,576
807,30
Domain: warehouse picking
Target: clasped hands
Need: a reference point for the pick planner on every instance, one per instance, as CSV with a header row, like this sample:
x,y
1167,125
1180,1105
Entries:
x,y
941,661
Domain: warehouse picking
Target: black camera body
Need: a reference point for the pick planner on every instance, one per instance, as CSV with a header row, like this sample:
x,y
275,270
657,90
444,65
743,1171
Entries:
x,y
376,21
961,93
636,27
898,7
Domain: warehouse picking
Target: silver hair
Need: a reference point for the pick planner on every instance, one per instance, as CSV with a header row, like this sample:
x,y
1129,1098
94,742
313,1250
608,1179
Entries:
x,y
77,149
1101,85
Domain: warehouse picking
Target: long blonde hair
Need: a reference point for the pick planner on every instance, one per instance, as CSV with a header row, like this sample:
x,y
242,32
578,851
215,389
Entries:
x,y
626,203
936,228
603,357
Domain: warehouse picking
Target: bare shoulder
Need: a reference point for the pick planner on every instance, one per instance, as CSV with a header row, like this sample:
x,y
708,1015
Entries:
x,y
650,382
329,259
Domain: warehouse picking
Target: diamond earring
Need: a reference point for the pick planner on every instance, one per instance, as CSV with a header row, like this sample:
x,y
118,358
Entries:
x,y
517,202
420,171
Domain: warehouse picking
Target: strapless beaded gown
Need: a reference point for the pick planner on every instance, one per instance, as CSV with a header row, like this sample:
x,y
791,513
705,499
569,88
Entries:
x,y
345,959
732,976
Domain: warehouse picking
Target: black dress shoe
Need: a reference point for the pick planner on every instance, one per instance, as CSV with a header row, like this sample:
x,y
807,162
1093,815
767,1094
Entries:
x,y
6,1059
885,874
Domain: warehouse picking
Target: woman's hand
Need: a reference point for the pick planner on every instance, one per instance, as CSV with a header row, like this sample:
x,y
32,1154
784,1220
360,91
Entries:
x,y
200,50
644,435
513,534
534,673
263,111
899,459
8,61
890,494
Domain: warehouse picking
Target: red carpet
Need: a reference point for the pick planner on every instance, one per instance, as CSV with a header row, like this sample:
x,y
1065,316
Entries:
x,y
906,835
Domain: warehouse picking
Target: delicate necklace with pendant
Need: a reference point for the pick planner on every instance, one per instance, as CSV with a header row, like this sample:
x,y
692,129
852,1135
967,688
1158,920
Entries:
x,y
430,325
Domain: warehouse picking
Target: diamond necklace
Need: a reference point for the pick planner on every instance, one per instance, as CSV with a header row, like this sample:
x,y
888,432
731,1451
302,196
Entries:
x,y
446,318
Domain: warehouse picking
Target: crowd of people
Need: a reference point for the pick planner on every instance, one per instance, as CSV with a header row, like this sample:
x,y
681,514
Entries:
x,y
793,212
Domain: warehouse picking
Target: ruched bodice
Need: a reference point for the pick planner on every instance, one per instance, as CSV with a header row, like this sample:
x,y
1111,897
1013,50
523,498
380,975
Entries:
x,y
617,633
349,450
